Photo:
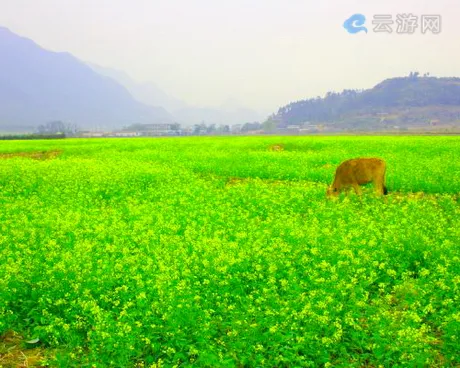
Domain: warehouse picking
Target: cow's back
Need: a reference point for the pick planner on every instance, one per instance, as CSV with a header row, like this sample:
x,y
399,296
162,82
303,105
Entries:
x,y
361,170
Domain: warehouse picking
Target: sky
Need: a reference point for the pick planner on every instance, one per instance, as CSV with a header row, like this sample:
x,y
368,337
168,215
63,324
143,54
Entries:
x,y
261,53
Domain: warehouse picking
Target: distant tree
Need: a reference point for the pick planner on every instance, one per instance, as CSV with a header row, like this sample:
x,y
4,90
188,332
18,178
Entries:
x,y
211,129
396,94
269,125
200,129
223,129
196,129
57,127
413,75
249,127
32,136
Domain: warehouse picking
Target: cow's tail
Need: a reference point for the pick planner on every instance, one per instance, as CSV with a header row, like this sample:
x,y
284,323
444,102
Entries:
x,y
385,190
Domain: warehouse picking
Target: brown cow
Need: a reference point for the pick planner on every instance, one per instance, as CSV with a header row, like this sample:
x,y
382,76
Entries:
x,y
359,171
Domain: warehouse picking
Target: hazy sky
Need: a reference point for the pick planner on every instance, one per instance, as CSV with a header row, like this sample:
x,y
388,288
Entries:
x,y
263,53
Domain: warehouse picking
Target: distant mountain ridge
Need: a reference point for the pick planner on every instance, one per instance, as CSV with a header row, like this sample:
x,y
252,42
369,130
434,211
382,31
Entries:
x,y
149,93
405,101
145,92
37,86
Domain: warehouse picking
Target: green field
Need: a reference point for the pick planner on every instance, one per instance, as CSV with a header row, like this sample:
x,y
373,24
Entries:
x,y
217,252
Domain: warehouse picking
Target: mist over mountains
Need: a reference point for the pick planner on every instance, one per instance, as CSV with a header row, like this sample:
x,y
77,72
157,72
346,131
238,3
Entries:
x,y
146,92
37,86
230,112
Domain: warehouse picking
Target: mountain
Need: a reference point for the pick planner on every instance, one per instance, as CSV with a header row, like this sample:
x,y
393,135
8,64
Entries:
x,y
146,92
404,101
38,86
231,112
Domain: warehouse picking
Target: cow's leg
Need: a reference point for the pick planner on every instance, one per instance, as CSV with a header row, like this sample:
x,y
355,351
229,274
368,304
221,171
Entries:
x,y
347,189
379,187
357,189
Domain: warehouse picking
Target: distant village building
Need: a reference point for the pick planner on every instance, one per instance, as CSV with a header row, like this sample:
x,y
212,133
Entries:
x,y
254,132
187,130
88,134
148,130
311,127
125,134
160,128
289,129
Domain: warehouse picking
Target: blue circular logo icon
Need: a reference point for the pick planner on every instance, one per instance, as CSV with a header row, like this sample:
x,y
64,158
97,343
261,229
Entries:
x,y
355,24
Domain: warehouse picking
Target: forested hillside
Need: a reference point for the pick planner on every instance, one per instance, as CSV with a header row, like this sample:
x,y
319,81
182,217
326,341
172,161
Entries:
x,y
412,100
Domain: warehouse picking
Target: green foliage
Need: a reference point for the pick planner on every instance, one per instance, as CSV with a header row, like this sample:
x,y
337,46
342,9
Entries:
x,y
438,98
217,252
11,137
269,125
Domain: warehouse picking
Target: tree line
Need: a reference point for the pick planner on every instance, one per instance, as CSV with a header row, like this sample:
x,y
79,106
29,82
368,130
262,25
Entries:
x,y
395,93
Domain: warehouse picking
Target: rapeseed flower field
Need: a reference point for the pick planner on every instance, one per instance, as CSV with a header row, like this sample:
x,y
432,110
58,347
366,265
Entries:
x,y
222,252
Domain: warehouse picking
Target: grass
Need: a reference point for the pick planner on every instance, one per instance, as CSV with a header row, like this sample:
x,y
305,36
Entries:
x,y
222,252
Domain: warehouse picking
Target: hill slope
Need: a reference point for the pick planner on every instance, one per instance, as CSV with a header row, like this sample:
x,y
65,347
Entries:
x,y
145,92
37,86
230,112
403,101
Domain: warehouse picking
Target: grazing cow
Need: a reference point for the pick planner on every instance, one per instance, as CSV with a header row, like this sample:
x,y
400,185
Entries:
x,y
359,171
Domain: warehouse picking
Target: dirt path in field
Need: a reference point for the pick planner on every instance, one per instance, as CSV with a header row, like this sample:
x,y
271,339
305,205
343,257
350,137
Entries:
x,y
35,155
15,354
